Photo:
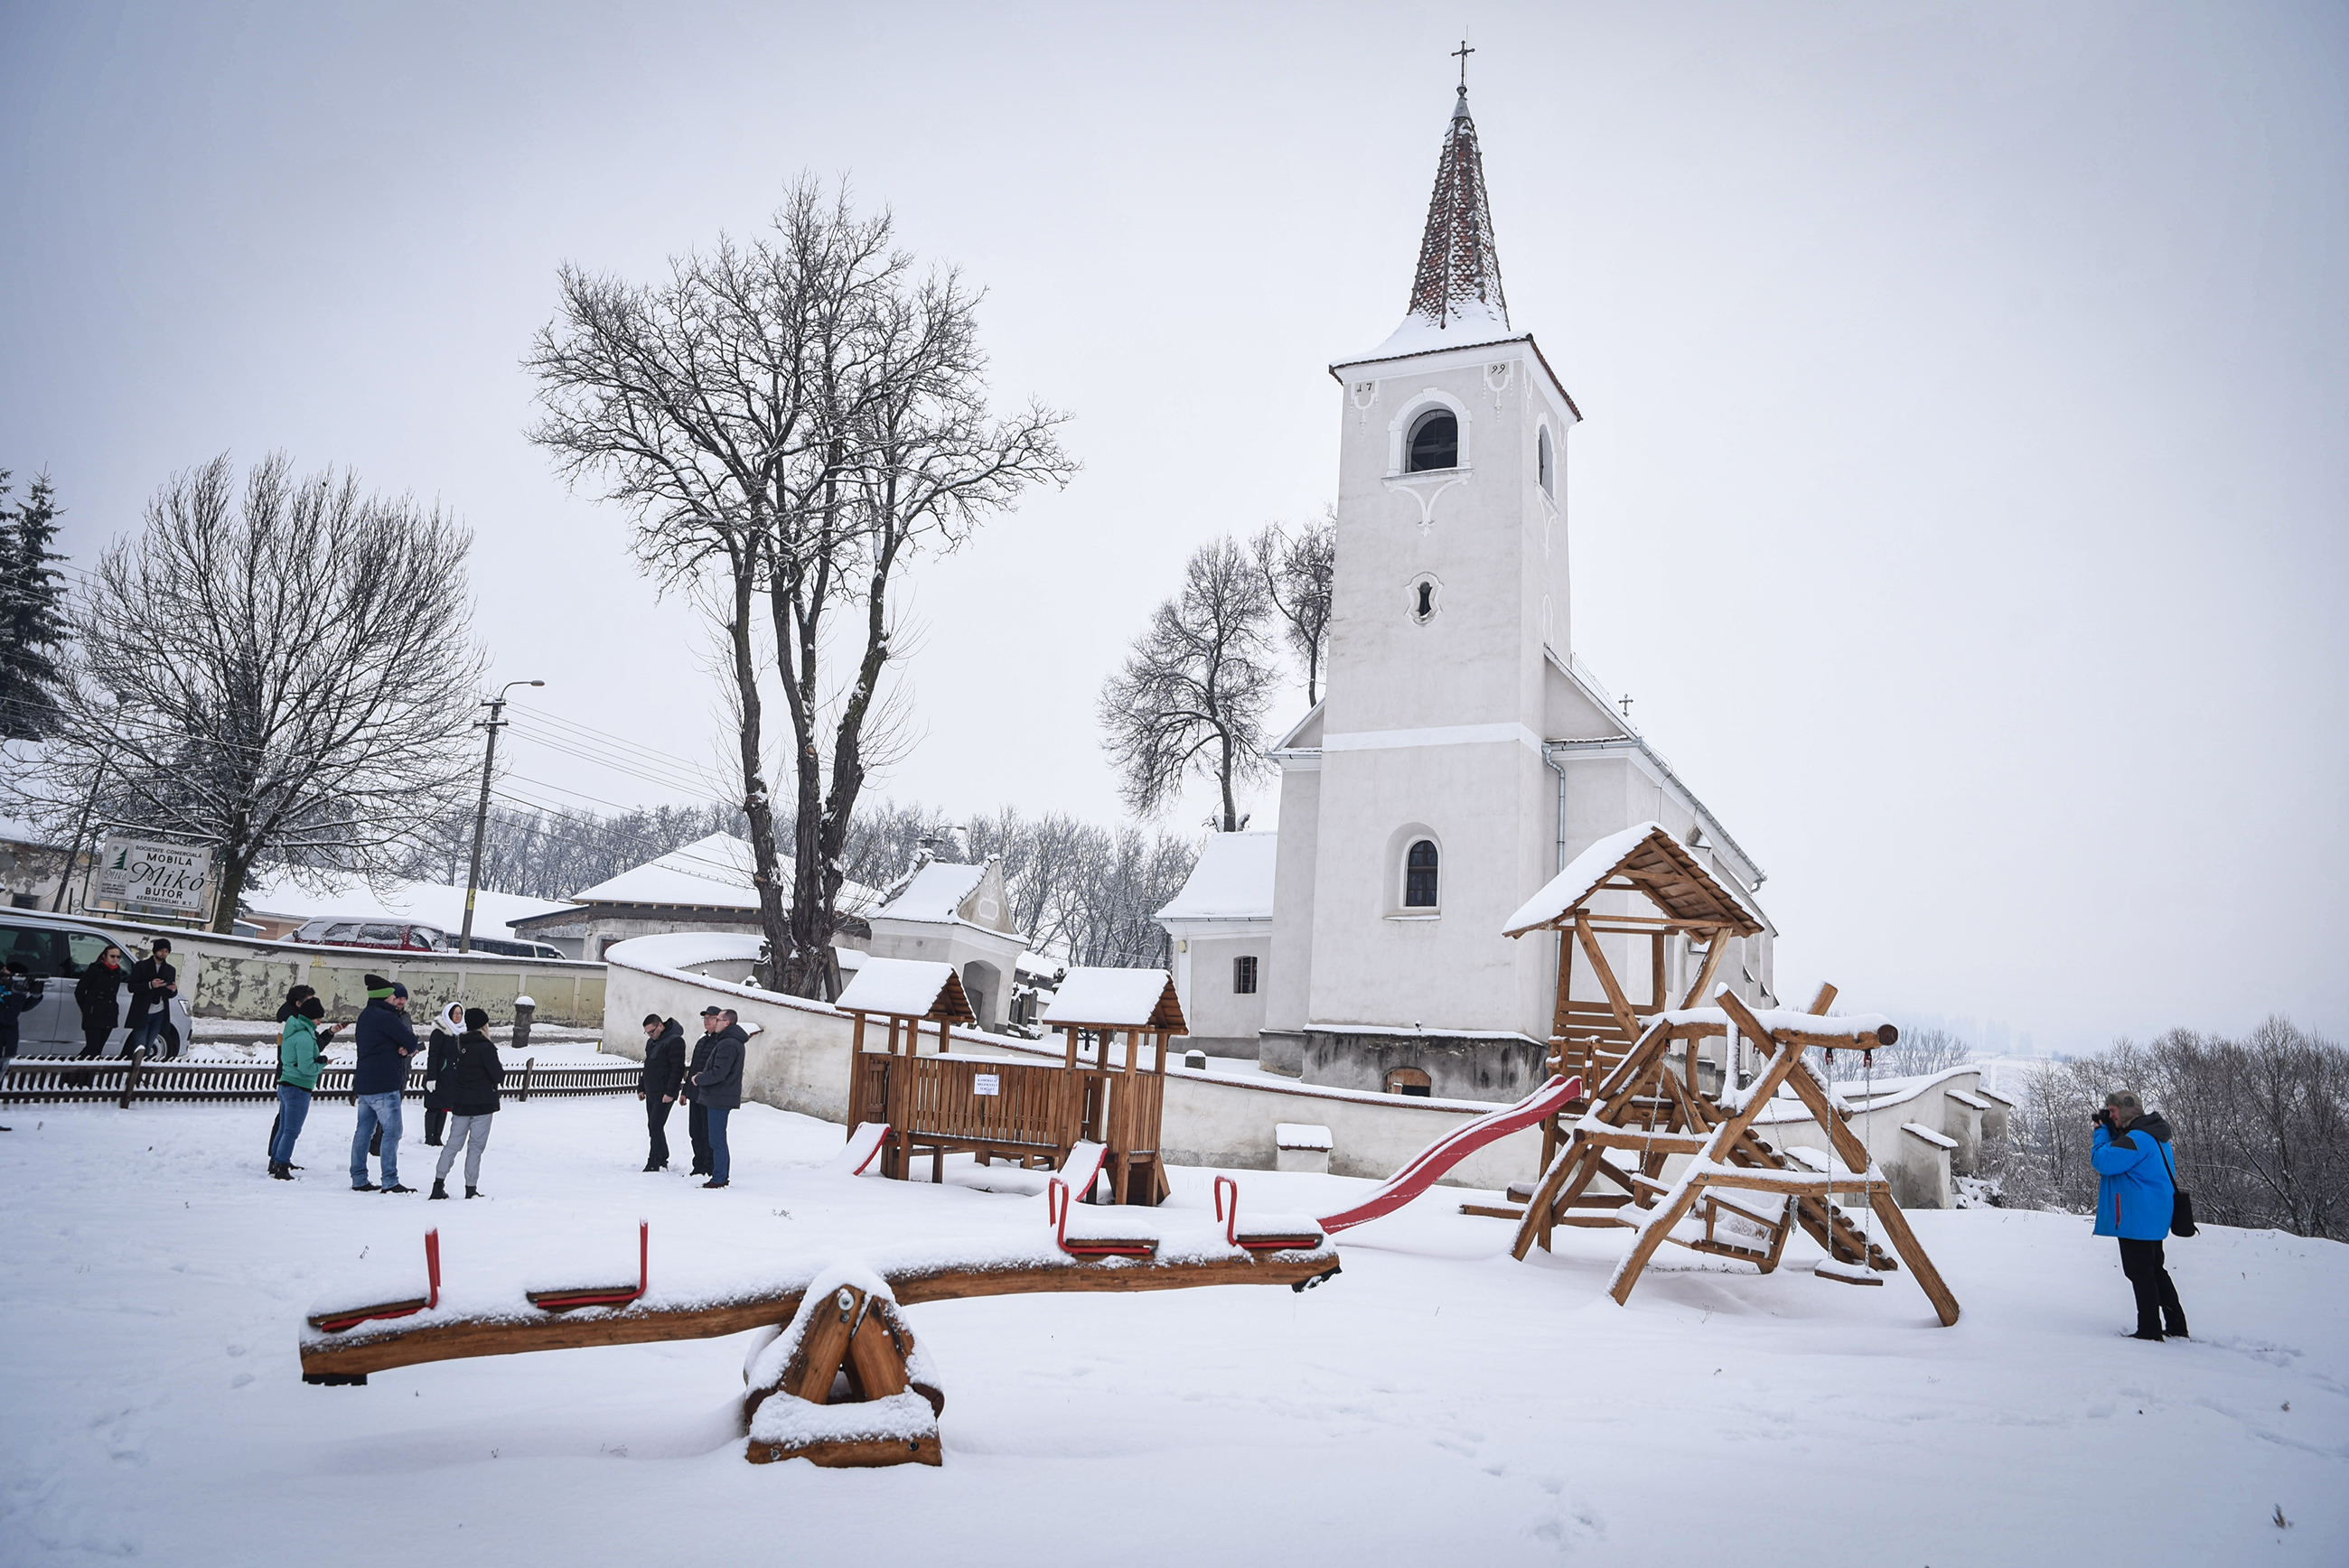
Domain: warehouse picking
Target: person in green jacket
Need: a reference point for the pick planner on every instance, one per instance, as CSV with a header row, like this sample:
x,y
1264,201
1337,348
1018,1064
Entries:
x,y
297,1075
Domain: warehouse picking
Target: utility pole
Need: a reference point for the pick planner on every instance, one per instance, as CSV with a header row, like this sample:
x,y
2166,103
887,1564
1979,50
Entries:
x,y
495,722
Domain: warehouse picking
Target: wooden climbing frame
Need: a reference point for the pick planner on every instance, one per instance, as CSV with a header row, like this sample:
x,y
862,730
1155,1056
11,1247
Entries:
x,y
1667,1146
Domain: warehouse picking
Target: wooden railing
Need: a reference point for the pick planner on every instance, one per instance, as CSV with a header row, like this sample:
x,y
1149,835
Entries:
x,y
66,1079
935,1099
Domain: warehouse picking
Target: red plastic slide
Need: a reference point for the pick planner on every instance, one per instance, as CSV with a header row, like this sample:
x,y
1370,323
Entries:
x,y
1453,1147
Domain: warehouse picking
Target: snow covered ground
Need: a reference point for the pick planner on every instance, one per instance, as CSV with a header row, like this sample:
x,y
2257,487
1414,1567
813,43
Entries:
x,y
1438,1403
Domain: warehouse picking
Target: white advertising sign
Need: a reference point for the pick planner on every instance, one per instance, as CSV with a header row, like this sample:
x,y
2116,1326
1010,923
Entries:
x,y
164,876
986,1083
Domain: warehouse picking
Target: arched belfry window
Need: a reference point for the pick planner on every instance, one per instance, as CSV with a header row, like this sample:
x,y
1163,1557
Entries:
x,y
1419,876
1546,464
1434,442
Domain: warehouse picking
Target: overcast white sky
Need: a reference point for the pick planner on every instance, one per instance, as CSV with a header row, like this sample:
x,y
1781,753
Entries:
x,y
1960,495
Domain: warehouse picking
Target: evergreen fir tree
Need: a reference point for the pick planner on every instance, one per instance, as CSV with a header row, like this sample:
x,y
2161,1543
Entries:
x,y
32,614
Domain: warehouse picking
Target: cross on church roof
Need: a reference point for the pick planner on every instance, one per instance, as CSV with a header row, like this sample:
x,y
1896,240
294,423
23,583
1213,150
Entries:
x,y
1461,54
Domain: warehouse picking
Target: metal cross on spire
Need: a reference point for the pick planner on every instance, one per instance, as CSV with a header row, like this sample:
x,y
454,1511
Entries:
x,y
1461,54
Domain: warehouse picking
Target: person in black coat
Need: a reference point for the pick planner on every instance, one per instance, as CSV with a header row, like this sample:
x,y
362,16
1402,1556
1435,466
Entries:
x,y
663,1077
438,1052
153,983
473,1075
98,995
697,1115
19,990
718,1091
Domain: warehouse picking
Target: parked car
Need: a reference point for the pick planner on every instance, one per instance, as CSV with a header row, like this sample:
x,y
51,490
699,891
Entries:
x,y
505,948
54,950
349,931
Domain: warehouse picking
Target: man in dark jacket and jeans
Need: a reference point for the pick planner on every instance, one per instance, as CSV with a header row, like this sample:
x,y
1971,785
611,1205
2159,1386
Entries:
x,y
718,1086
663,1077
696,1116
2136,1191
385,1042
153,983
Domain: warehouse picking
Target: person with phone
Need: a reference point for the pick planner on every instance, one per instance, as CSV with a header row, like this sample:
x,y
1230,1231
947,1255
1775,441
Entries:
x,y
2136,1194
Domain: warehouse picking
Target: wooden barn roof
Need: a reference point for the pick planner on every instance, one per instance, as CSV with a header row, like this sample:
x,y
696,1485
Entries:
x,y
1644,858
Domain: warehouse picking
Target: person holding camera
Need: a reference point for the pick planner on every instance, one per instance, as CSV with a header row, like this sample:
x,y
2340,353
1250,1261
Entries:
x,y
2137,1195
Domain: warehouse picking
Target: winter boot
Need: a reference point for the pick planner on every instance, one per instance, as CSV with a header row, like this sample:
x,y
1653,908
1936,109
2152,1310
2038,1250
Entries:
x,y
472,1191
365,1187
653,1165
397,1187
278,1169
438,1190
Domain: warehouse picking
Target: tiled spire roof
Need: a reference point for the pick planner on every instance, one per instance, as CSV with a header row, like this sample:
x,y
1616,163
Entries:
x,y
1459,277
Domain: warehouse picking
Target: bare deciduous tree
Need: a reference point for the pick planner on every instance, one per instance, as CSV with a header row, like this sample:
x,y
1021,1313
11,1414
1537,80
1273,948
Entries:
x,y
287,674
1190,700
792,420
1298,569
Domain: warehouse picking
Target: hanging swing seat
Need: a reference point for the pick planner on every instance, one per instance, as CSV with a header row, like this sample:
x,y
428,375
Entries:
x,y
1845,1273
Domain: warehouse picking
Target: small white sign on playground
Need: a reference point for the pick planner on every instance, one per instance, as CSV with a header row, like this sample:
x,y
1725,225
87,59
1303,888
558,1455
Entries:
x,y
986,1083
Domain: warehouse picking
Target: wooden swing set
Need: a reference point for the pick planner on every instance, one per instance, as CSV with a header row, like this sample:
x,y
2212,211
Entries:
x,y
1607,1161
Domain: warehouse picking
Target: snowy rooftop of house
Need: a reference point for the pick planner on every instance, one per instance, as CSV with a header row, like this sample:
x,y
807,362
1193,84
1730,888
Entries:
x,y
909,987
1645,854
1117,999
428,904
1232,880
709,873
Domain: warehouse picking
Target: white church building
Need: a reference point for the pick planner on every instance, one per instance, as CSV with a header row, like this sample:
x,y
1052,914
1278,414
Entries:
x,y
1461,754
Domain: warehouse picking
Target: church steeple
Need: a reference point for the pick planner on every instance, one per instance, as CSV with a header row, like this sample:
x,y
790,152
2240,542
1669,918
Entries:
x,y
1458,283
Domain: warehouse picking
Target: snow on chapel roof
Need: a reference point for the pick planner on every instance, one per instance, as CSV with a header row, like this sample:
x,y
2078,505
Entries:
x,y
1232,880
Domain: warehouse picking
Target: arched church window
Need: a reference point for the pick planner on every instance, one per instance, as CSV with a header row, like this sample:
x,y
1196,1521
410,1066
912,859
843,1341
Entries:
x,y
1544,464
1419,876
1434,442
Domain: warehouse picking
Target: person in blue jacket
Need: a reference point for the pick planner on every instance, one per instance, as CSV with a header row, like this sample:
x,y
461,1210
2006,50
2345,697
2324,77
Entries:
x,y
386,1043
2136,1189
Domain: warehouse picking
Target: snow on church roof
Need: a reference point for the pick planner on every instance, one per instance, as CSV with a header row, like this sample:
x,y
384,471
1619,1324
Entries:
x,y
935,894
1455,292
1649,854
1232,880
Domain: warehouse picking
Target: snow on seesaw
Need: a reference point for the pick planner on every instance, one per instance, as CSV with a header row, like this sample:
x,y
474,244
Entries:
x,y
1436,1403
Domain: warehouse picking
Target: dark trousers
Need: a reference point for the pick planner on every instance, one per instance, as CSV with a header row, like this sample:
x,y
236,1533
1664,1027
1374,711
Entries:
x,y
434,1120
656,1111
93,1039
2158,1311
697,1128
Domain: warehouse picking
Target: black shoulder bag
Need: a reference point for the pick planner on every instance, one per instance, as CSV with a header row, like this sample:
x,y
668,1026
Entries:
x,y
2181,1203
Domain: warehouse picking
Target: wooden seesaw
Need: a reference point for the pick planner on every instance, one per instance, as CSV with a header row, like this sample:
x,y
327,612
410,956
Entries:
x,y
841,1385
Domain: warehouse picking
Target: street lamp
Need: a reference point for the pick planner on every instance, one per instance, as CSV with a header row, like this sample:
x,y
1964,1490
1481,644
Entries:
x,y
495,722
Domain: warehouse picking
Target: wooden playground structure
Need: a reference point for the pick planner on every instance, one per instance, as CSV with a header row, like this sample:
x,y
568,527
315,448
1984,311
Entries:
x,y
1737,1195
1031,1113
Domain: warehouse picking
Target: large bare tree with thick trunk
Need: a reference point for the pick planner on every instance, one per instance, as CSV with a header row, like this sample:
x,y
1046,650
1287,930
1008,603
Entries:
x,y
283,670
1190,700
792,420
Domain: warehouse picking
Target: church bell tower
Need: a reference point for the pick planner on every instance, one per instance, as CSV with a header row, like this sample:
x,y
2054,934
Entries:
x,y
1417,808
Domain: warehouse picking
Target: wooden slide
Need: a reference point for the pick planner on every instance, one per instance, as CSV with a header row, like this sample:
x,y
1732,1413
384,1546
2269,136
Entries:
x,y
1446,1152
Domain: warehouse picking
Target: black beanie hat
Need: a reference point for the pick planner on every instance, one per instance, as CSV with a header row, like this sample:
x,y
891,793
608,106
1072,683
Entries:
x,y
311,1007
476,1019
